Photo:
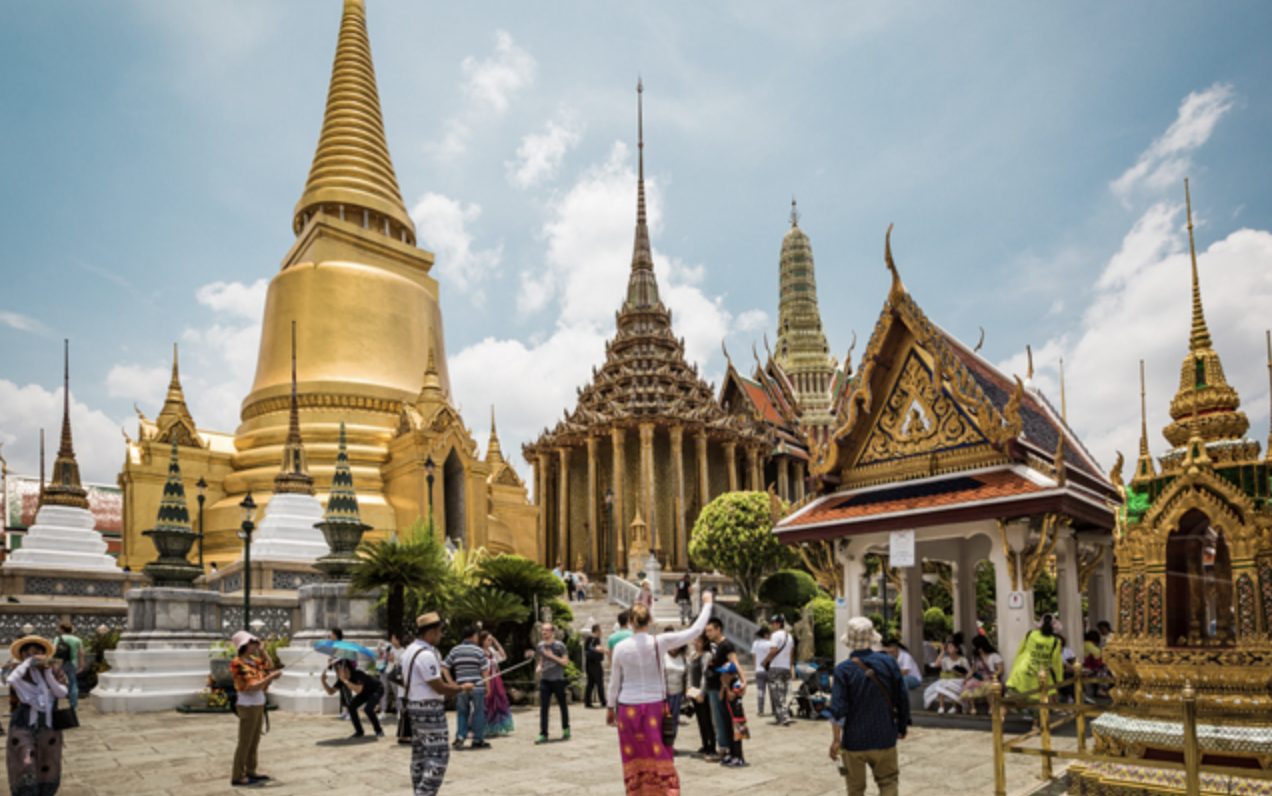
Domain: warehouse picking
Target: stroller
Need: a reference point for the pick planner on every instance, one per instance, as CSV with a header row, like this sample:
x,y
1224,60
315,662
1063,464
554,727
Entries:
x,y
813,695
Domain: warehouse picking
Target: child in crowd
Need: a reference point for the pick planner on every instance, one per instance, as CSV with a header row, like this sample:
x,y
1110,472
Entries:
x,y
731,696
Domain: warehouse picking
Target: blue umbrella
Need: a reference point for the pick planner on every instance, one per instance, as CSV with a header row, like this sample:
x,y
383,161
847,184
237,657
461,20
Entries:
x,y
344,649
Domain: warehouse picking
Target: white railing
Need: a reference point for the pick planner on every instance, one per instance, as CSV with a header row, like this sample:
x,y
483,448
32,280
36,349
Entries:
x,y
622,592
737,628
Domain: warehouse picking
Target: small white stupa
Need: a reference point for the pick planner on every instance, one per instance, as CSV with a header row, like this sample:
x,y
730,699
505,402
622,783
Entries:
x,y
287,533
64,535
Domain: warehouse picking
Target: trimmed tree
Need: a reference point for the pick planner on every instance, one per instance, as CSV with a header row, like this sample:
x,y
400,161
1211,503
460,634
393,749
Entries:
x,y
414,567
734,535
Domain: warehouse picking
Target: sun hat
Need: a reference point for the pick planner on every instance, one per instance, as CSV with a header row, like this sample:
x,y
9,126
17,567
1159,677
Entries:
x,y
861,634
15,649
241,639
428,620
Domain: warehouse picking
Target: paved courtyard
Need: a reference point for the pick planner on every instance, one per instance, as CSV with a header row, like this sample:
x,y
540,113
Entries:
x,y
158,754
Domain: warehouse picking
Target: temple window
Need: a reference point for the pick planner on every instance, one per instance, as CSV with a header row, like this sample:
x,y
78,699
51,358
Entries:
x,y
453,497
1199,594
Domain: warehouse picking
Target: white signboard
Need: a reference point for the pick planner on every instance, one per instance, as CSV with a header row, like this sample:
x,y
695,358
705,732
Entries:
x,y
901,549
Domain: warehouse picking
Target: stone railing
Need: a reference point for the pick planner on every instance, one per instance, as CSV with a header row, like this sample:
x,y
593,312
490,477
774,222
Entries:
x,y
622,592
737,628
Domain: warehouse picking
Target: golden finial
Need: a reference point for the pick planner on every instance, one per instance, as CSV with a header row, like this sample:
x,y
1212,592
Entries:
x,y
494,453
1143,415
1064,411
848,356
794,214
1029,354
1200,337
980,342
897,293
728,359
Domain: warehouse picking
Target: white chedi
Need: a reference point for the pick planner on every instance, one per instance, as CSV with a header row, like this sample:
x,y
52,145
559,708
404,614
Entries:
x,y
63,537
287,533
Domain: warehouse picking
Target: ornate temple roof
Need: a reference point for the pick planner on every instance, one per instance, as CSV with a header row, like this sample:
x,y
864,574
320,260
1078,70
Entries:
x,y
64,488
645,376
801,341
174,419
501,470
352,166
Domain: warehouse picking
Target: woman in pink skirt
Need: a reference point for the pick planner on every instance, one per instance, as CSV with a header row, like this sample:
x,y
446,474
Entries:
x,y
498,708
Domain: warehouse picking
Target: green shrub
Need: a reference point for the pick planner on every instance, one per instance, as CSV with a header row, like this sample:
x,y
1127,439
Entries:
x,y
937,626
823,609
877,620
789,587
745,608
562,614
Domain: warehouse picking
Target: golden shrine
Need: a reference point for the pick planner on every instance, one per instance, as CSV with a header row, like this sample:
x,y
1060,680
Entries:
x,y
371,354
1194,592
584,469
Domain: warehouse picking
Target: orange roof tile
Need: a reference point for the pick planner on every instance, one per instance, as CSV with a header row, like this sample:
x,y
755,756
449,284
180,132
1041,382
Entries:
x,y
761,400
925,494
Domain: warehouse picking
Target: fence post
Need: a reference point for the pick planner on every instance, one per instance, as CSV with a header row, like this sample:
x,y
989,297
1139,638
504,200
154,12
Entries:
x,y
996,715
1079,700
1192,754
1044,721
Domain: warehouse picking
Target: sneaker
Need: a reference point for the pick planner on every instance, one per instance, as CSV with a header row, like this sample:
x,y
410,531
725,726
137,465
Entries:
x,y
726,760
379,733
459,743
565,734
358,735
941,709
736,762
344,716
712,758
541,739
480,745
258,777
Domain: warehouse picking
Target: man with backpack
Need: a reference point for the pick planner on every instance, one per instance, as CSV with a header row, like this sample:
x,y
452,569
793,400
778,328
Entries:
x,y
777,666
69,649
869,712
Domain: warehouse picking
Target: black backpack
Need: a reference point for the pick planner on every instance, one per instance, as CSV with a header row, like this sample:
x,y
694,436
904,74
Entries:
x,y
62,651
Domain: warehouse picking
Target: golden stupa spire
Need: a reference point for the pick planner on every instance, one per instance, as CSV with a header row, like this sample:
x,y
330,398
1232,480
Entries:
x,y
352,174
174,419
1144,467
1200,336
293,476
1206,407
432,391
64,487
494,454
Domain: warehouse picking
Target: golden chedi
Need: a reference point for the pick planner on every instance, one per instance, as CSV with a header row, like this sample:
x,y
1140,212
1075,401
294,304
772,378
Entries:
x,y
369,325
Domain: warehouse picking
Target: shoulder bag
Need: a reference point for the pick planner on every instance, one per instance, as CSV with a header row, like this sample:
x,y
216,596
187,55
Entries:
x,y
670,723
404,718
887,698
64,718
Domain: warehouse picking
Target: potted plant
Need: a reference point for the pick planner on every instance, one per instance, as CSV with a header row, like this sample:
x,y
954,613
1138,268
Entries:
x,y
573,677
221,654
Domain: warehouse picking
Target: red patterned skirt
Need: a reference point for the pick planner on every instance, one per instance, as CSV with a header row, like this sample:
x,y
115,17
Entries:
x,y
649,767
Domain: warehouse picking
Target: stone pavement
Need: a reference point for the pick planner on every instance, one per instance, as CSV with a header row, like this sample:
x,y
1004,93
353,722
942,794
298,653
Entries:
x,y
170,754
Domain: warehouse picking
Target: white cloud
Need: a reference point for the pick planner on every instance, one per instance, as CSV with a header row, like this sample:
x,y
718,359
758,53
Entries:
x,y
137,382
489,86
24,410
22,322
752,321
540,154
441,226
235,298
1166,161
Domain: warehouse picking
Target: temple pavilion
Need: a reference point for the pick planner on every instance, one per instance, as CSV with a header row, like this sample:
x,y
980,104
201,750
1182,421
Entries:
x,y
647,444
933,439
1194,590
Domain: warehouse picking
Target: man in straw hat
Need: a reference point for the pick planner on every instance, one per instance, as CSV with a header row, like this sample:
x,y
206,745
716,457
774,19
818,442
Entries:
x,y
869,711
425,691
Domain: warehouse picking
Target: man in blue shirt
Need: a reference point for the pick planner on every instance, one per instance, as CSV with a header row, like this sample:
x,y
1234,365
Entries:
x,y
869,711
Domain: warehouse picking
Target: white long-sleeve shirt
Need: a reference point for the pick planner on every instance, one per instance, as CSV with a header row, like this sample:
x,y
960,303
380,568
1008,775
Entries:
x,y
39,695
635,678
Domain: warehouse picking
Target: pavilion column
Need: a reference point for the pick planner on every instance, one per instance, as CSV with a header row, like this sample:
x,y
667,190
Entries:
x,y
731,461
541,501
1013,623
563,509
593,527
853,600
753,469
783,478
704,479
647,482
1068,594
681,555
964,592
912,607
619,438
1100,592
801,482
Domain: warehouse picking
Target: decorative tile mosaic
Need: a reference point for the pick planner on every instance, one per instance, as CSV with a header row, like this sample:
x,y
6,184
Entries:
x,y
11,626
291,581
1155,609
1125,607
232,583
1140,601
74,587
1247,621
1121,779
1265,583
278,621
1170,734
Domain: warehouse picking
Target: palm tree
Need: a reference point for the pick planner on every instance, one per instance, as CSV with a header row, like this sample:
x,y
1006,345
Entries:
x,y
417,564
490,606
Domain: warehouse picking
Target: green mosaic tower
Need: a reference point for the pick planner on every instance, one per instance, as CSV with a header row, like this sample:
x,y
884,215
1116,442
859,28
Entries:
x,y
172,535
342,524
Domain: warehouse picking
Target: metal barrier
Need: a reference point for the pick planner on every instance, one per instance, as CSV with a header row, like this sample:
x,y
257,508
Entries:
x,y
1079,711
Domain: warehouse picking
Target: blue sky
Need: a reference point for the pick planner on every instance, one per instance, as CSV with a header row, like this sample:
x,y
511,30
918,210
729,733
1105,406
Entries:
x,y
1030,156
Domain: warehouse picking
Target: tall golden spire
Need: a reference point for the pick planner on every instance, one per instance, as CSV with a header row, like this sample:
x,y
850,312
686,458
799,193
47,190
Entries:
x,y
174,419
293,477
64,487
432,391
642,287
352,174
1205,406
1144,467
494,454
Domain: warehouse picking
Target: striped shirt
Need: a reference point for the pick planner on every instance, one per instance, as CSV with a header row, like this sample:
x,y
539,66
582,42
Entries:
x,y
466,662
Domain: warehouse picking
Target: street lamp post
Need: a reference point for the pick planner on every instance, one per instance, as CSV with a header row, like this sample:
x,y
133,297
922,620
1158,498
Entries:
x,y
248,509
609,510
429,468
202,487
